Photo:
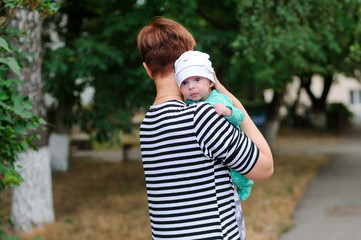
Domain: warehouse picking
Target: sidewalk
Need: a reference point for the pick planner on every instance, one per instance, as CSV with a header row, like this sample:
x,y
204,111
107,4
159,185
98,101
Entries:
x,y
331,206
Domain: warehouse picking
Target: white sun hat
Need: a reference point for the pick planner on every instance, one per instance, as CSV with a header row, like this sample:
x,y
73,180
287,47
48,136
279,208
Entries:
x,y
191,64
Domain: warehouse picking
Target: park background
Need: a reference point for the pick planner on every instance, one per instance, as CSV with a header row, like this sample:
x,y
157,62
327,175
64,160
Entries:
x,y
295,65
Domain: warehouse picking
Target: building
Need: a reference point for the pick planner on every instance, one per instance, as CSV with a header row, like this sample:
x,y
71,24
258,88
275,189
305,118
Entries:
x,y
345,90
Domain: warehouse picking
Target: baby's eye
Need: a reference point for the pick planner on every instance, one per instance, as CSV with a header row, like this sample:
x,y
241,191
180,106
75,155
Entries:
x,y
198,79
184,83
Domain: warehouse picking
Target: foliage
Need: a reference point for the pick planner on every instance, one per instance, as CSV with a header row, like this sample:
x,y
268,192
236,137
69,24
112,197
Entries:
x,y
338,117
99,47
334,30
99,50
45,7
266,49
282,39
253,45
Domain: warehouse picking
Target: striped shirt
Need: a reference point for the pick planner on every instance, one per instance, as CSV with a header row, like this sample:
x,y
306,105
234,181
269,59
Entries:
x,y
187,151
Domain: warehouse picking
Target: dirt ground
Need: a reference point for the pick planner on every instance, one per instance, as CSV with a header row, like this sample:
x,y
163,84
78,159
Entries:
x,y
98,200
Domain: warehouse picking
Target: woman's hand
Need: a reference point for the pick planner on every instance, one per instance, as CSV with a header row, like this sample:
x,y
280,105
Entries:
x,y
221,89
217,84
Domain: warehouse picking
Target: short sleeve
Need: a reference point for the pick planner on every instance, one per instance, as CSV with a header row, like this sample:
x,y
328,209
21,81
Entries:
x,y
220,140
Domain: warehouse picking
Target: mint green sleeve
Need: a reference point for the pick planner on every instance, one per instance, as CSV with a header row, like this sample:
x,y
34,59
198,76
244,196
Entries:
x,y
237,115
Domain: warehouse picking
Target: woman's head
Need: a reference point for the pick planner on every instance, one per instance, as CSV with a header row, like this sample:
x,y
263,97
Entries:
x,y
161,43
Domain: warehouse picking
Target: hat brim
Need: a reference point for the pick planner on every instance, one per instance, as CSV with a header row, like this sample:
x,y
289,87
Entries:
x,y
193,71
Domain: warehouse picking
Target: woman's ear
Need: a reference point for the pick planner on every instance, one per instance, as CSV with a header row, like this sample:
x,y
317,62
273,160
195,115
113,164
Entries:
x,y
148,70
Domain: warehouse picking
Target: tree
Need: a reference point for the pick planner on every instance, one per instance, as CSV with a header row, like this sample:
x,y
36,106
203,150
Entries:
x,y
254,45
15,119
99,48
99,51
267,51
32,199
334,27
279,40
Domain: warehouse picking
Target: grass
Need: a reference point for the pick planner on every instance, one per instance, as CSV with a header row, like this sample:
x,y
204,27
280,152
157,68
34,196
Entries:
x,y
98,200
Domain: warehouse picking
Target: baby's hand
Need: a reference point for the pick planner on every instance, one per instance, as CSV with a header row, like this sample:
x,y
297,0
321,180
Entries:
x,y
222,110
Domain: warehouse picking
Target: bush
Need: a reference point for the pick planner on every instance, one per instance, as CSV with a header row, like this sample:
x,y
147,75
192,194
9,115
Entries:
x,y
338,116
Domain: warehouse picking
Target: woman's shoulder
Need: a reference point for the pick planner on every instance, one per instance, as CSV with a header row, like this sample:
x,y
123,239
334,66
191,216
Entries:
x,y
179,107
202,106
204,110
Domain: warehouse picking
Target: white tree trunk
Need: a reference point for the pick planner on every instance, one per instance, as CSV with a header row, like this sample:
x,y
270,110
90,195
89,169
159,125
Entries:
x,y
32,201
59,145
271,132
318,119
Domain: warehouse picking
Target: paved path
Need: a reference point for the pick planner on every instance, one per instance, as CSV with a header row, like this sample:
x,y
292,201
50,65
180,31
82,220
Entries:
x,y
331,206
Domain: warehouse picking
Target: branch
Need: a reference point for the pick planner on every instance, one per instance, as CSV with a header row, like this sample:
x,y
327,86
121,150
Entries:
x,y
217,24
327,81
306,84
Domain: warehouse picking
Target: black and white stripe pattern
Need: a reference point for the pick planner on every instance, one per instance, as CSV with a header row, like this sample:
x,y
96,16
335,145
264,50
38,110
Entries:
x,y
186,151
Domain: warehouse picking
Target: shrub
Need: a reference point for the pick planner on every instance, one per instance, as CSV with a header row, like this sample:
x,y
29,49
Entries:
x,y
338,116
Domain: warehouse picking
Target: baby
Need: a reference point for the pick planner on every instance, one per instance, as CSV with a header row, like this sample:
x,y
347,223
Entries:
x,y
194,76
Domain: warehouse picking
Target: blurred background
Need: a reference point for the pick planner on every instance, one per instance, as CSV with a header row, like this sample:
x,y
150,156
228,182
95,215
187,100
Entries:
x,y
295,66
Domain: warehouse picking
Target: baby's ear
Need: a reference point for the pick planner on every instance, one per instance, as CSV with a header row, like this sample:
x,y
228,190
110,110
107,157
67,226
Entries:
x,y
211,84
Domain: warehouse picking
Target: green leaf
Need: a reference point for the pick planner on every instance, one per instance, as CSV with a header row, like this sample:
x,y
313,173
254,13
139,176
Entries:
x,y
14,237
12,63
20,108
12,179
42,121
4,44
10,82
20,128
3,95
3,235
24,145
36,136
10,222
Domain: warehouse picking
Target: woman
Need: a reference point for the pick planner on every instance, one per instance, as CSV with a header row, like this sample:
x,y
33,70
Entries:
x,y
187,149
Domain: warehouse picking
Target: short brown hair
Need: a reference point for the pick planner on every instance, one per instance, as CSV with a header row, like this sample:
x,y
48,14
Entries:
x,y
162,42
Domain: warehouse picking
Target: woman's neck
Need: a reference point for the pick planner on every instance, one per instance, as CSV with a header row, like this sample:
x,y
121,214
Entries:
x,y
167,89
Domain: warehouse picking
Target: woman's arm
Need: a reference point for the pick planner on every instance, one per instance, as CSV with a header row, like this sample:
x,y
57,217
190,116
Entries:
x,y
264,166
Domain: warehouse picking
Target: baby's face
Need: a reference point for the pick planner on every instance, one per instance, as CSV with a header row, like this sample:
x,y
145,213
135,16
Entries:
x,y
196,88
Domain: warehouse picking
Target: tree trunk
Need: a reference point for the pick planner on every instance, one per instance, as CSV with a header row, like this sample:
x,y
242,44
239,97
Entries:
x,y
318,119
273,117
59,140
32,202
318,111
